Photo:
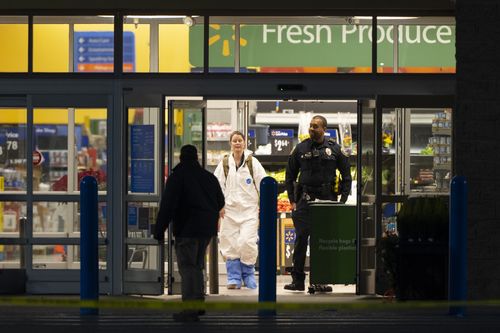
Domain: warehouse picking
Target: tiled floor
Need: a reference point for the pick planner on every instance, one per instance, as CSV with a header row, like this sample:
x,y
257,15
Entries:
x,y
281,280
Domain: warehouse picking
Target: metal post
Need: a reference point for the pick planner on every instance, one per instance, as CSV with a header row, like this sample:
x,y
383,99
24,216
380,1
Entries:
x,y
267,243
89,270
214,266
22,235
458,245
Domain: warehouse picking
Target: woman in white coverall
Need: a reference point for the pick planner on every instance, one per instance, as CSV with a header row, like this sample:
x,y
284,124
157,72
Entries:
x,y
239,227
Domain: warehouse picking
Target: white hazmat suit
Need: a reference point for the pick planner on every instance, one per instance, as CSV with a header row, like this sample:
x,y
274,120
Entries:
x,y
239,228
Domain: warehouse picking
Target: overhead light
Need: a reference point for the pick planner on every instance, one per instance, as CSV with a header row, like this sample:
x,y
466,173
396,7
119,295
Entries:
x,y
188,20
387,17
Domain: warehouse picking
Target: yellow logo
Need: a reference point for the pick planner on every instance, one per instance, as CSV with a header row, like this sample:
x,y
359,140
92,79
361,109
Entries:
x,y
226,51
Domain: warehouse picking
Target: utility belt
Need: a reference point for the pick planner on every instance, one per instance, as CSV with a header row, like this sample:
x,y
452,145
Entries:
x,y
321,192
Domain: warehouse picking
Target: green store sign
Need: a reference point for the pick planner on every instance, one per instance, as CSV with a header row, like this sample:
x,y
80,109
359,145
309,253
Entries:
x,y
324,45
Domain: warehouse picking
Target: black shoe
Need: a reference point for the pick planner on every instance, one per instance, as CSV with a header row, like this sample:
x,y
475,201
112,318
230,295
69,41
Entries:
x,y
202,312
322,288
299,286
187,316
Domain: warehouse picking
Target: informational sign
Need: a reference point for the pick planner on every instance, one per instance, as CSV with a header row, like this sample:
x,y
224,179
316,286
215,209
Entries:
x,y
132,218
37,158
142,174
12,140
93,51
333,243
142,141
324,45
281,141
142,147
287,240
332,133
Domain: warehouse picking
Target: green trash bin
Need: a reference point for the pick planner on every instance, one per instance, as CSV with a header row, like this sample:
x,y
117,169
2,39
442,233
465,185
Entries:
x,y
332,243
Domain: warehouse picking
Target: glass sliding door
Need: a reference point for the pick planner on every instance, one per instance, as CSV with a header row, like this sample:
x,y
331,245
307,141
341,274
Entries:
x,y
143,260
186,121
366,197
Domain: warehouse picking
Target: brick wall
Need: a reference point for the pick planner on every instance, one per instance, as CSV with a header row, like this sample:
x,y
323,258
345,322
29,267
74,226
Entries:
x,y
477,138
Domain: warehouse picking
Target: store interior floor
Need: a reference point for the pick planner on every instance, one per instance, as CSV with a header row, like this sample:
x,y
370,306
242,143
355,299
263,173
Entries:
x,y
340,293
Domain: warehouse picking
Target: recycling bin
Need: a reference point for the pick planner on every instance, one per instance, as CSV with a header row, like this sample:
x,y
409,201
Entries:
x,y
332,243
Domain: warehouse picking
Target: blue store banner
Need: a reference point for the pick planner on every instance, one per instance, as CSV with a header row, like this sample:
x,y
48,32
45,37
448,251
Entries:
x,y
93,51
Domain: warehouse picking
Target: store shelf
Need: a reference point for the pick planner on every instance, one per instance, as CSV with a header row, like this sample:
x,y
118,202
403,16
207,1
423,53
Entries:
x,y
332,118
218,139
421,156
441,131
446,166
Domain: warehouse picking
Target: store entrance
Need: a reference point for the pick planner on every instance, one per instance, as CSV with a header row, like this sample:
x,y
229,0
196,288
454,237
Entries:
x,y
389,142
273,129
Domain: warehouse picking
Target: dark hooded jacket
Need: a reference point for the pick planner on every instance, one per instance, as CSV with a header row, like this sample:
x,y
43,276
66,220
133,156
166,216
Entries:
x,y
191,200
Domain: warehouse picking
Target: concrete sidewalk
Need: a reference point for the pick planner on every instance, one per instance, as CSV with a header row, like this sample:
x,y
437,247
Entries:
x,y
340,311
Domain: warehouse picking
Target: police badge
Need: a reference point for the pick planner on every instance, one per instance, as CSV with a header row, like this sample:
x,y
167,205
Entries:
x,y
328,151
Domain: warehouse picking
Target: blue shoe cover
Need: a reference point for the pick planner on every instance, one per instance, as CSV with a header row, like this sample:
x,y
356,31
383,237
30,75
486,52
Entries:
x,y
233,267
248,275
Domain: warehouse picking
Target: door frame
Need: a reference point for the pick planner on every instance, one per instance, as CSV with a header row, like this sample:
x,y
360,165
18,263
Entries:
x,y
400,101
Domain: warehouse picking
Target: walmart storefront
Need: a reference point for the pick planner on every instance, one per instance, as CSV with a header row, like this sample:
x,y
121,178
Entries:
x,y
116,94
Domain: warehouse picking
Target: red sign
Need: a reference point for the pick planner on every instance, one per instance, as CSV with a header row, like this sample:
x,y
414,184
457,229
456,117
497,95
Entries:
x,y
37,158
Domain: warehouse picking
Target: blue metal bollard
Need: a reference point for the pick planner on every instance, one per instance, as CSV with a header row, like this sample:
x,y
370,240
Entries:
x,y
89,267
458,245
267,243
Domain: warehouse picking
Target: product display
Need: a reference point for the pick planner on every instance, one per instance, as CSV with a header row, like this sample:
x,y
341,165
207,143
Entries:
x,y
441,144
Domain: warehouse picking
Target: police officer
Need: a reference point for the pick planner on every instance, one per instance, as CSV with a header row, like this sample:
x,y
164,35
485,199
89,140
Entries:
x,y
317,159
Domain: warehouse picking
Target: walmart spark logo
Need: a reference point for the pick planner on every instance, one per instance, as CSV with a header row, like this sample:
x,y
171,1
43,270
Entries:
x,y
289,236
225,35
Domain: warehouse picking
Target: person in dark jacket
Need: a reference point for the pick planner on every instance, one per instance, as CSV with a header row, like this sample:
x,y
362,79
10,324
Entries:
x,y
193,202
314,162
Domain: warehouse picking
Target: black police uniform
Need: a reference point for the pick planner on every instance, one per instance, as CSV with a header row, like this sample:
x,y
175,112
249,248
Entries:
x,y
317,163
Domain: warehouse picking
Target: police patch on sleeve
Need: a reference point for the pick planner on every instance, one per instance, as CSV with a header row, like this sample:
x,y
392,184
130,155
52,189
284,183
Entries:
x,y
328,151
344,152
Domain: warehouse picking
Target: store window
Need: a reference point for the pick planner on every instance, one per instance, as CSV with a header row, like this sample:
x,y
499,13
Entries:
x,y
73,44
180,48
140,36
430,150
143,257
59,256
424,45
59,168
141,216
62,219
10,214
416,151
288,44
12,150
10,256
14,41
